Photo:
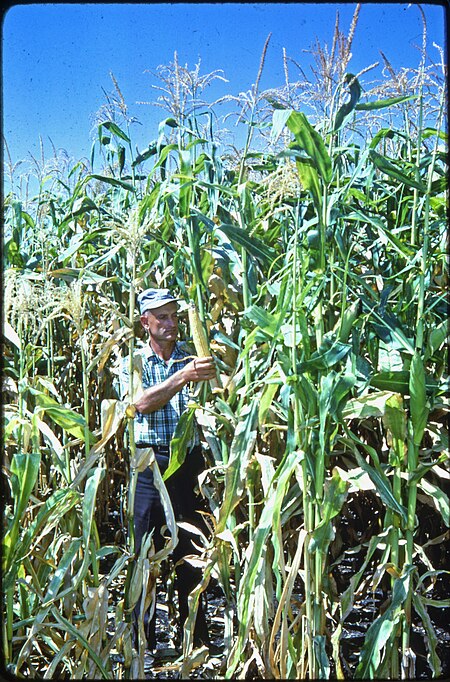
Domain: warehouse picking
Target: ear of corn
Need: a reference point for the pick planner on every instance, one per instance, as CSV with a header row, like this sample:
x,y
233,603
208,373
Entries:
x,y
200,339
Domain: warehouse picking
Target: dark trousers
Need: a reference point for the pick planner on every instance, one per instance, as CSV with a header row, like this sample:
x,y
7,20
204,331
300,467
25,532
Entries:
x,y
149,515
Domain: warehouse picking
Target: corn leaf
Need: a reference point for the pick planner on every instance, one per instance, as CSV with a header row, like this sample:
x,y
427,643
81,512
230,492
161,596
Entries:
x,y
241,448
395,417
263,319
390,169
436,339
346,109
398,382
254,246
279,120
144,155
113,128
335,494
88,508
369,405
24,471
309,179
431,639
309,139
180,441
266,401
69,420
382,486
384,103
380,631
439,497
53,509
257,549
115,182
328,355
64,563
417,392
65,624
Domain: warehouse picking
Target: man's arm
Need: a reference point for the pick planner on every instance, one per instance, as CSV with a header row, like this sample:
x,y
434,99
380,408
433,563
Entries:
x,y
155,397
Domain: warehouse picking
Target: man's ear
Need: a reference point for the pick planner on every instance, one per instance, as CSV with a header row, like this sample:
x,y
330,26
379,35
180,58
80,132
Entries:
x,y
144,321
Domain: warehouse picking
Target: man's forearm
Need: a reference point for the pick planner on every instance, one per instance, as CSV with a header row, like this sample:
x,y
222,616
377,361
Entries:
x,y
155,397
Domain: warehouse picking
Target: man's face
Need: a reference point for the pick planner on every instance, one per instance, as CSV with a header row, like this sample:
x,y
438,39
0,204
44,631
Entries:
x,y
162,323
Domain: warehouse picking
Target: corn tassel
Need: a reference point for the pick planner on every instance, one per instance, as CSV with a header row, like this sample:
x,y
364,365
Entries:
x,y
200,340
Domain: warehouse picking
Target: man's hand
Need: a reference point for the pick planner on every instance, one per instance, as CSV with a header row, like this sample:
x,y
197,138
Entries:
x,y
200,369
155,397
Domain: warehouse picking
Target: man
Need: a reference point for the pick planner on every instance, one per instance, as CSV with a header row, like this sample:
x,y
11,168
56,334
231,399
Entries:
x,y
167,371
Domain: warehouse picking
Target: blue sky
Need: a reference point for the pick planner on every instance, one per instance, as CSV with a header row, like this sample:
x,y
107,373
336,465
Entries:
x,y
57,57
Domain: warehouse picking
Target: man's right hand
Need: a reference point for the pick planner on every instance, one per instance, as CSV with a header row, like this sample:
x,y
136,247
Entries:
x,y
200,369
155,397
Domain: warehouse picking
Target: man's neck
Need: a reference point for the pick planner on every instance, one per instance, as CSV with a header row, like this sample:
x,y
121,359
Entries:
x,y
164,350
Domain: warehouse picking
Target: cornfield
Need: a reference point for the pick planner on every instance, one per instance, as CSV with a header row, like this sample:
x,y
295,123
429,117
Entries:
x,y
316,257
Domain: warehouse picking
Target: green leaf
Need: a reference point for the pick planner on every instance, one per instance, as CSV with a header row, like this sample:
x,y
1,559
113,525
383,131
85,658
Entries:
x,y
417,391
309,139
329,354
381,629
436,339
439,497
386,166
383,487
431,639
241,448
370,405
309,179
171,122
381,135
146,154
395,417
390,331
178,446
164,153
69,420
113,181
113,128
346,109
254,246
58,504
121,157
267,397
262,318
320,653
398,382
335,494
383,103
60,571
13,254
24,471
80,206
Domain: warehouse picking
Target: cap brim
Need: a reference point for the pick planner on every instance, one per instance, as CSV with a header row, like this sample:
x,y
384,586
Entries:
x,y
159,304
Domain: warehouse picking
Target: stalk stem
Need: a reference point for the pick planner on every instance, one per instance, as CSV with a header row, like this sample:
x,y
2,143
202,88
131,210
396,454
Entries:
x,y
133,473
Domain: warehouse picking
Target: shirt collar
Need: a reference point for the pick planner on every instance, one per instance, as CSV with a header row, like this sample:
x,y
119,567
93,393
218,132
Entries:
x,y
176,353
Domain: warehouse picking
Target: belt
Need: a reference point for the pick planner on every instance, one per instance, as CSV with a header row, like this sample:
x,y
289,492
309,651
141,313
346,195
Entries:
x,y
158,449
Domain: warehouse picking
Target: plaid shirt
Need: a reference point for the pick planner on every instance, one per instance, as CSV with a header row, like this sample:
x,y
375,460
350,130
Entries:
x,y
157,428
